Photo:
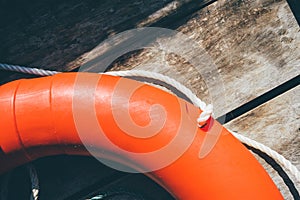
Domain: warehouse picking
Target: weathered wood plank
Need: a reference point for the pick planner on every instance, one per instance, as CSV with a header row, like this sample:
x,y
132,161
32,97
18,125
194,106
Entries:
x,y
235,67
255,46
51,34
277,125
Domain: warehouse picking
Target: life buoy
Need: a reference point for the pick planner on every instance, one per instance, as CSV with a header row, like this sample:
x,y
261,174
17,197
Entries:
x,y
38,119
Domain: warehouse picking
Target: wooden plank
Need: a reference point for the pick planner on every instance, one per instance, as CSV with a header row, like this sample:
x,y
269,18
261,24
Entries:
x,y
255,48
50,34
77,34
277,125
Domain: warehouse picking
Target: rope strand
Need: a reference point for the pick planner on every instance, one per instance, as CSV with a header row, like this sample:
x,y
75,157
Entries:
x,y
27,70
34,182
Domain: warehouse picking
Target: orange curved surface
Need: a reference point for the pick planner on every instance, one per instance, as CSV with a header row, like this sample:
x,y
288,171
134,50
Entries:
x,y
54,115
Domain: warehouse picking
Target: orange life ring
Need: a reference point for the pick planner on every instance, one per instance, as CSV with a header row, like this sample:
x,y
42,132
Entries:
x,y
37,120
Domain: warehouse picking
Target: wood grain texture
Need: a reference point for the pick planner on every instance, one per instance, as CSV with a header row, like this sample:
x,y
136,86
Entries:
x,y
277,125
255,48
52,34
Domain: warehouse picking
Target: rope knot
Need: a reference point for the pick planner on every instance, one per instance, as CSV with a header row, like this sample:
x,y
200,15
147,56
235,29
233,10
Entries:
x,y
206,113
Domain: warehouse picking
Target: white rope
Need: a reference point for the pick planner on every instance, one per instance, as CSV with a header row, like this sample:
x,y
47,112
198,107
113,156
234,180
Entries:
x,y
270,152
207,109
34,182
27,70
